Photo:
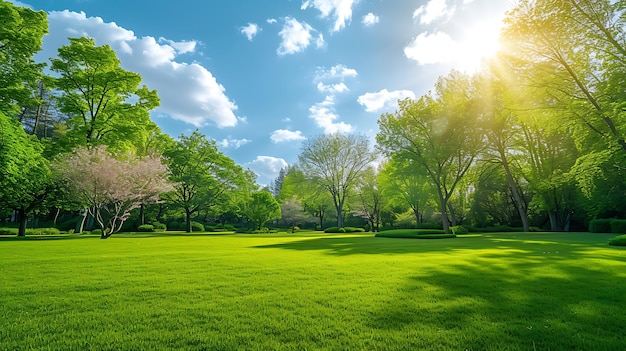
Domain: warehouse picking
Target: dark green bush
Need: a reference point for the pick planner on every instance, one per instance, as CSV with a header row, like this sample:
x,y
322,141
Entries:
x,y
619,240
618,226
159,227
8,231
600,225
459,229
146,228
174,225
197,227
96,231
43,231
333,230
354,230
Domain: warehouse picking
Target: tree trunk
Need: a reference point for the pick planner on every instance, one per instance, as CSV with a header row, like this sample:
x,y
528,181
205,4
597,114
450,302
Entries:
x,y
56,216
188,219
554,223
22,222
517,198
339,217
452,214
443,202
142,214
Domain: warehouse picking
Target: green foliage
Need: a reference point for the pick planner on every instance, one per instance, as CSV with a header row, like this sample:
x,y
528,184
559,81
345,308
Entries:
x,y
600,225
334,230
159,227
459,229
197,226
354,230
261,208
96,231
145,228
618,226
619,240
21,36
30,231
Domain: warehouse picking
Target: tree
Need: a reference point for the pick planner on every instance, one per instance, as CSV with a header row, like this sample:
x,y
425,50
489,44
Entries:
x,y
439,133
104,103
315,199
25,179
21,36
402,182
370,198
336,161
277,184
203,177
111,186
262,208
293,213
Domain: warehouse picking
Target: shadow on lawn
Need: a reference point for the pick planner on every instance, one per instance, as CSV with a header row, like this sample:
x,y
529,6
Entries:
x,y
532,244
513,303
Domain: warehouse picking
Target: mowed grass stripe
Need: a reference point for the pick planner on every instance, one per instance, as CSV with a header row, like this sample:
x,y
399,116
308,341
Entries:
x,y
498,291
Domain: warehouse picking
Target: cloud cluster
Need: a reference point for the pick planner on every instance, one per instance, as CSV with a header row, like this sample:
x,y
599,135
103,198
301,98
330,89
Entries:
x,y
188,91
331,82
297,36
250,30
284,135
267,166
370,19
339,10
233,143
384,100
434,10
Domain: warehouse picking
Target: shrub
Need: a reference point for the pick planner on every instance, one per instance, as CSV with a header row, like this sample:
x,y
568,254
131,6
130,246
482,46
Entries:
x,y
197,227
159,227
174,225
146,228
8,231
618,226
43,231
96,231
354,230
619,240
600,226
459,229
333,230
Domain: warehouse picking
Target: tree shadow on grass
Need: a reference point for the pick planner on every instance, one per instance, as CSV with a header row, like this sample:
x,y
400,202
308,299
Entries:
x,y
513,303
531,244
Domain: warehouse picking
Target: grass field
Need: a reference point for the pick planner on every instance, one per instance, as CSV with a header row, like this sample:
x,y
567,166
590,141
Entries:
x,y
311,291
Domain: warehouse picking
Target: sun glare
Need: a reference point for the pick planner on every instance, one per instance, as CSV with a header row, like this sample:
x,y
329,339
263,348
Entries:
x,y
480,42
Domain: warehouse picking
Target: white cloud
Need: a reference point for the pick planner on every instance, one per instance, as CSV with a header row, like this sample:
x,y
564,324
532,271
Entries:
x,y
296,36
324,115
233,143
188,91
340,10
267,166
336,72
319,42
432,48
181,47
283,135
271,20
250,30
370,19
332,88
384,99
434,10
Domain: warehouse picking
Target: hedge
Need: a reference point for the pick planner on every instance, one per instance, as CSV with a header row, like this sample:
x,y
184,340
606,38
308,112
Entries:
x,y
600,225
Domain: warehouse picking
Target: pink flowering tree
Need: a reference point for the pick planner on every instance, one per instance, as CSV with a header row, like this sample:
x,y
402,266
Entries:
x,y
112,186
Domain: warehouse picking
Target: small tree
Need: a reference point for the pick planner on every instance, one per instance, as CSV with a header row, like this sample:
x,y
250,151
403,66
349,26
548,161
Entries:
x,y
111,187
293,213
262,208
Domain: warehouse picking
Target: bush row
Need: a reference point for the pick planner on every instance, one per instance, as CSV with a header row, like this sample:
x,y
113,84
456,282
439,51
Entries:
x,y
607,225
30,231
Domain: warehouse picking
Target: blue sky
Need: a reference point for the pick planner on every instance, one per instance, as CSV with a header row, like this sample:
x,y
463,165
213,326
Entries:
x,y
261,76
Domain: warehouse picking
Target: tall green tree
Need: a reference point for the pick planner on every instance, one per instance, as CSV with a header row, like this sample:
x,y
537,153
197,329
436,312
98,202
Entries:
x,y
105,104
370,198
439,133
314,198
336,162
203,176
403,183
25,178
21,36
262,208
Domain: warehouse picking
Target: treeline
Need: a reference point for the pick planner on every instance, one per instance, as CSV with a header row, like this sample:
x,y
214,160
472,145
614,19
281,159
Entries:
x,y
78,147
535,139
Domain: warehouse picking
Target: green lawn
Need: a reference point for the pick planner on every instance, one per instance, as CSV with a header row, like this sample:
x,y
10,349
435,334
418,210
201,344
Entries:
x,y
311,291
